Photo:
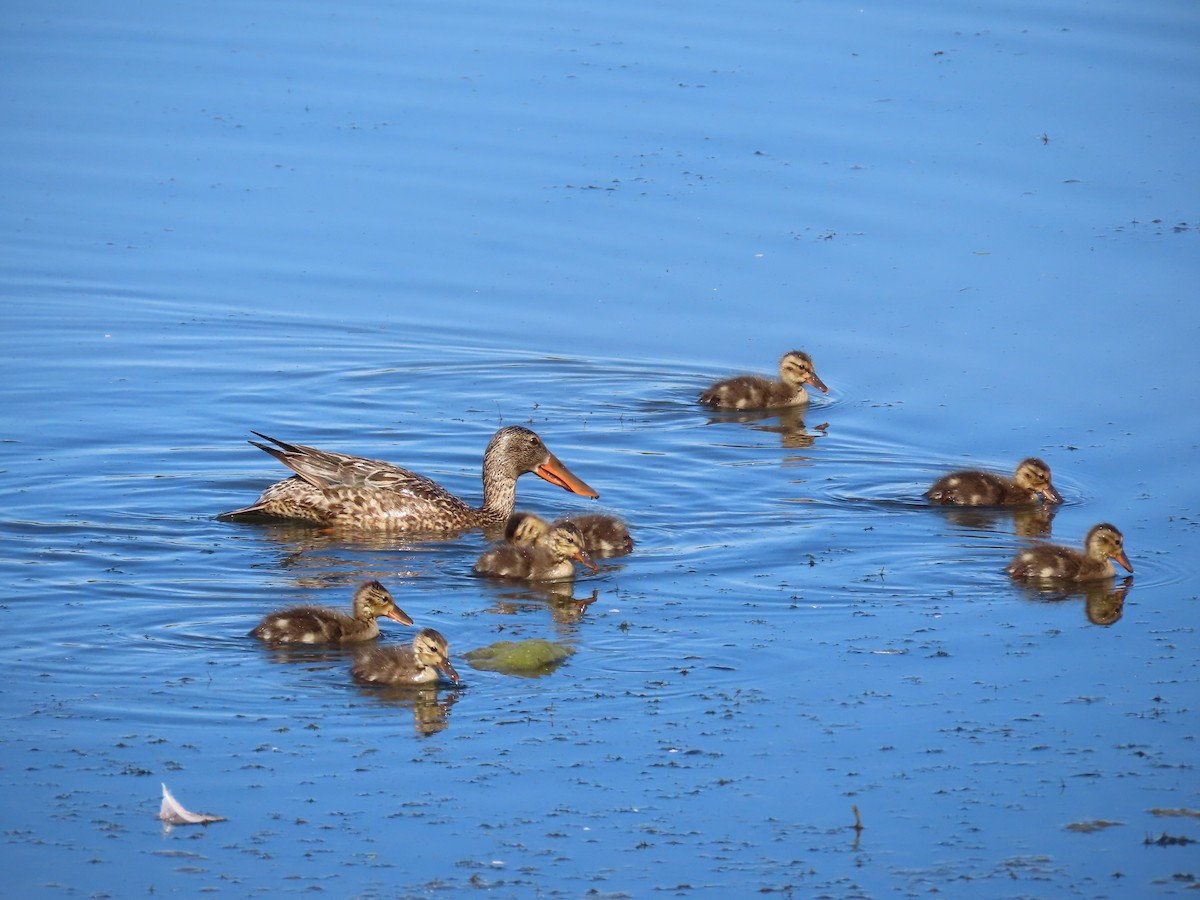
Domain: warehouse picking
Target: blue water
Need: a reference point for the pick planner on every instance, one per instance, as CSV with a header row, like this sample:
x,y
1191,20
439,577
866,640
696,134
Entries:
x,y
388,230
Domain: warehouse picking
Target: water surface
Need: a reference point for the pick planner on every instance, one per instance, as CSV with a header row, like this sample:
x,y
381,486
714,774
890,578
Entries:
x,y
390,231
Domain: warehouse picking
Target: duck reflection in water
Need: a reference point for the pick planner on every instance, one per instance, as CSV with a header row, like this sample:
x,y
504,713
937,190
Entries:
x,y
787,423
429,706
1104,604
1027,521
558,597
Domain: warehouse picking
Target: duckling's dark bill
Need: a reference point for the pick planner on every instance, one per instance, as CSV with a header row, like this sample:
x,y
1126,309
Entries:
x,y
555,472
1123,560
817,383
399,615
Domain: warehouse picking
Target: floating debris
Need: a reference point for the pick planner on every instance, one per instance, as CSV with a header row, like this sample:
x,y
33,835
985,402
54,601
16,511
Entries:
x,y
526,658
1093,825
173,813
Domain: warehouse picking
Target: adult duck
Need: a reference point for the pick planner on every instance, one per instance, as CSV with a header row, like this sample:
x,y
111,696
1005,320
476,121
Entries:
x,y
755,392
1051,562
335,489
321,625
973,488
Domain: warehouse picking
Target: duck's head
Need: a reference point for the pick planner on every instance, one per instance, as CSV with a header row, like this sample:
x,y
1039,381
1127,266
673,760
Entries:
x,y
1034,475
567,543
431,649
796,368
514,450
373,600
1105,542
525,528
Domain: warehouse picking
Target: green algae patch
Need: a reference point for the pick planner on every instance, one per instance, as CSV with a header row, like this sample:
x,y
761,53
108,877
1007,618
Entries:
x,y
529,659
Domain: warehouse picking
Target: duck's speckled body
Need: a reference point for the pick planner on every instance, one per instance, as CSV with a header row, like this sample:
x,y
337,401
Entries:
x,y
755,392
535,551
426,660
973,488
1052,562
321,625
335,489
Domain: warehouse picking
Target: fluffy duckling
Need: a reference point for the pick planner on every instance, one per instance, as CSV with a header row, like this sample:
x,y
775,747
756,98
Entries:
x,y
536,552
755,392
973,488
426,660
603,535
1102,545
321,625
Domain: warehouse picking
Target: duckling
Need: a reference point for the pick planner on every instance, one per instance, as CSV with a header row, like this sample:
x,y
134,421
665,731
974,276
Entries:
x,y
973,488
1054,562
603,535
548,555
320,625
755,392
426,660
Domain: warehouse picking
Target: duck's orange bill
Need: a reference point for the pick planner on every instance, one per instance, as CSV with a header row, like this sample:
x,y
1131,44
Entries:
x,y
1051,495
582,556
817,383
1120,557
556,473
396,614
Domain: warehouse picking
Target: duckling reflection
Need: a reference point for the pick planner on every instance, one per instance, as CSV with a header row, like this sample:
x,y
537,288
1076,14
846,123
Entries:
x,y
430,707
558,597
787,423
1027,521
1055,563
1104,604
755,392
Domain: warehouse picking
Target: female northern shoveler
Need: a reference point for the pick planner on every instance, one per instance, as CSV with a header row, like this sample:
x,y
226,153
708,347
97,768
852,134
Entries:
x,y
339,490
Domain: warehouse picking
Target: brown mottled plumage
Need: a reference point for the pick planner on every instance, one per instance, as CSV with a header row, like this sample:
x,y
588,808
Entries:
x,y
339,490
1052,562
755,392
426,660
973,488
535,551
603,535
320,625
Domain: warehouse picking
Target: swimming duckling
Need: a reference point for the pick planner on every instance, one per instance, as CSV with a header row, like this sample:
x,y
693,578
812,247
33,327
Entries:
x,y
426,660
1056,563
604,535
973,488
755,392
548,555
321,625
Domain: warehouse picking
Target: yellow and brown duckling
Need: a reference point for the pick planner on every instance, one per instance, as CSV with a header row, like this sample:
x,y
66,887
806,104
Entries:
x,y
425,661
755,392
535,551
973,488
321,625
335,489
1052,562
604,535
